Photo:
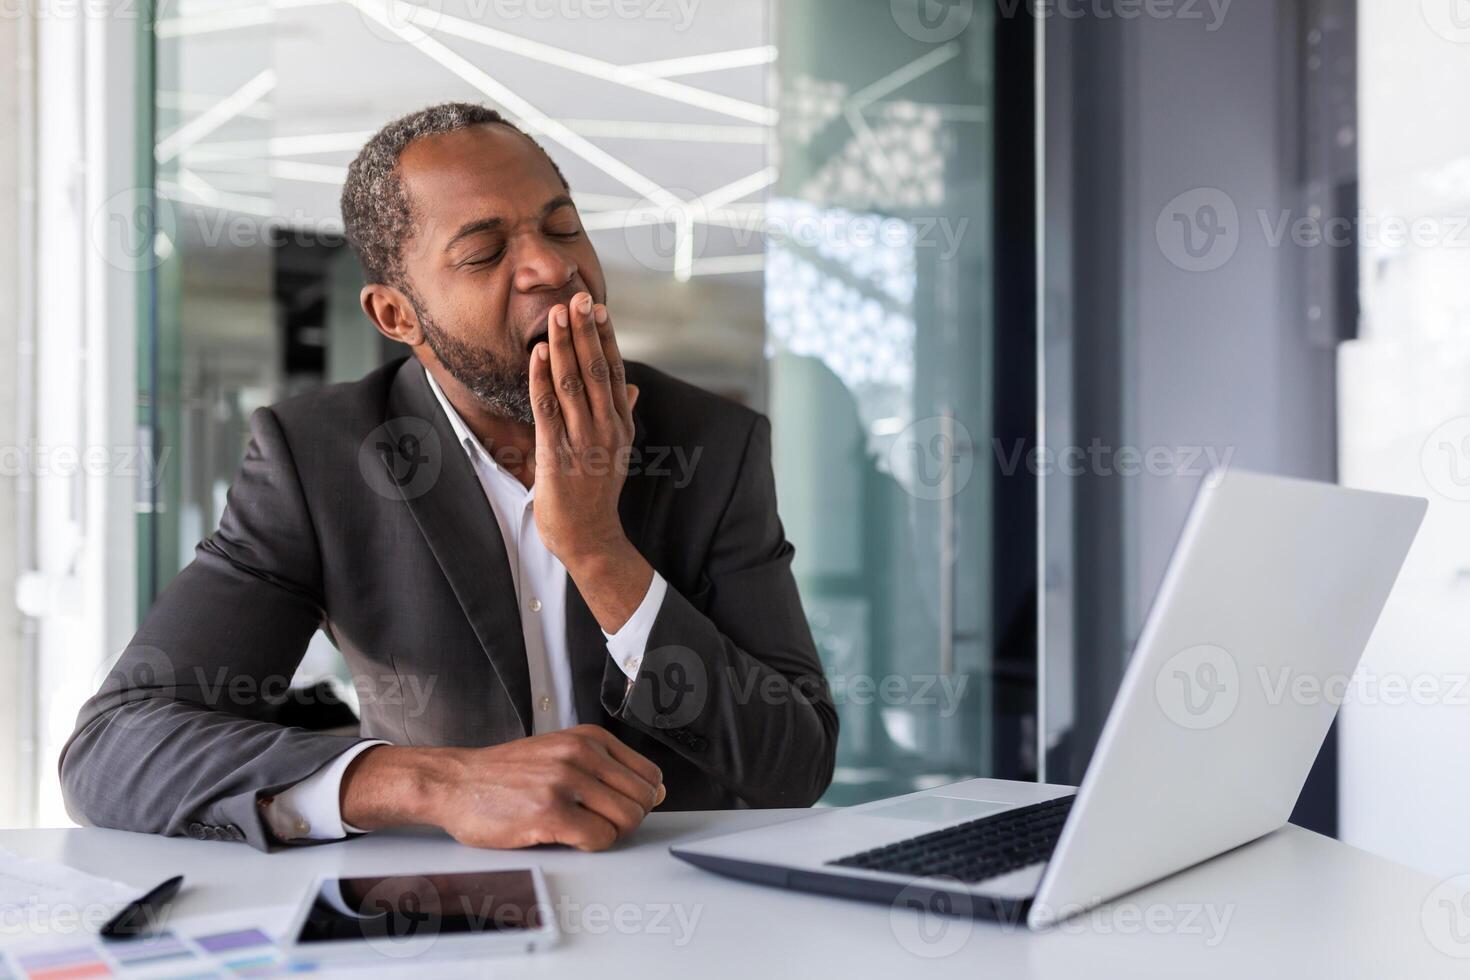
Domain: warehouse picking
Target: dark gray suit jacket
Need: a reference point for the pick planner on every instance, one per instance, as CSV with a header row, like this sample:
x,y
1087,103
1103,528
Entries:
x,y
356,512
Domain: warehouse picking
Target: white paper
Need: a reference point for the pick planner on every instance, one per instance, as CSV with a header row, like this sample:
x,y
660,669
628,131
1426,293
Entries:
x,y
40,897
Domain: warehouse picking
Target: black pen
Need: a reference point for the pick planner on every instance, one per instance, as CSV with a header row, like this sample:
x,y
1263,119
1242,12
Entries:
x,y
140,913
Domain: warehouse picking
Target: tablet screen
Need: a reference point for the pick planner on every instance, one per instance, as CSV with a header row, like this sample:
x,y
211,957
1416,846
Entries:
x,y
407,907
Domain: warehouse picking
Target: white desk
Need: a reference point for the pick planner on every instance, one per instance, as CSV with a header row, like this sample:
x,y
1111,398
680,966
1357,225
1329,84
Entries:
x,y
1298,905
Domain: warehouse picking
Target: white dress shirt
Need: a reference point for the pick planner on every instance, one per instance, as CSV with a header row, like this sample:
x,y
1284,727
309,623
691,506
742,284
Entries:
x,y
311,809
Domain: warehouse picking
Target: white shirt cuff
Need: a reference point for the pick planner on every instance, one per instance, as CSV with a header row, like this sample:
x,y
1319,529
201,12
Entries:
x,y
628,644
312,809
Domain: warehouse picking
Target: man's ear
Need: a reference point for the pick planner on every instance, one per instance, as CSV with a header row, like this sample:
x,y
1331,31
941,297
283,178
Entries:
x,y
391,312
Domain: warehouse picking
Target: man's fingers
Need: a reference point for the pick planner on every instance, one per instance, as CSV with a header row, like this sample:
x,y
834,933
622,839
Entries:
x,y
584,829
571,390
587,341
545,405
633,760
634,785
622,812
622,397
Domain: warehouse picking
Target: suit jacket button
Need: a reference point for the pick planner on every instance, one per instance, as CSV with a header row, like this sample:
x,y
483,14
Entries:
x,y
235,832
196,830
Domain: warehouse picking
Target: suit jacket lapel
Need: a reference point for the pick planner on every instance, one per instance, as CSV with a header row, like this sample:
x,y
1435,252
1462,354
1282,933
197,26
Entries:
x,y
439,486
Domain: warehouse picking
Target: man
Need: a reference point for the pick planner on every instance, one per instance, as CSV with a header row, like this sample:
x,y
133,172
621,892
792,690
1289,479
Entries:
x,y
551,628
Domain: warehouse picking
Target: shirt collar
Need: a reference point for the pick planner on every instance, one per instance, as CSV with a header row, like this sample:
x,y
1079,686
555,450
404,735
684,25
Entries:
x,y
467,440
473,448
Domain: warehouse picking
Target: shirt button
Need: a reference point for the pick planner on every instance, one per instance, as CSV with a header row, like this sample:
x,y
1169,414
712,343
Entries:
x,y
628,664
302,827
535,605
545,704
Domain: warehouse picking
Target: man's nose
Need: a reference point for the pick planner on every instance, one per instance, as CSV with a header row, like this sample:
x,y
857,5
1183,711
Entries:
x,y
540,264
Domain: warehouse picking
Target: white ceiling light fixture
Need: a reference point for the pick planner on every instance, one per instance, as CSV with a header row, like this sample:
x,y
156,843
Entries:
x,y
260,207
852,110
630,129
176,101
430,20
214,117
195,185
698,64
540,124
735,190
518,107
729,265
315,173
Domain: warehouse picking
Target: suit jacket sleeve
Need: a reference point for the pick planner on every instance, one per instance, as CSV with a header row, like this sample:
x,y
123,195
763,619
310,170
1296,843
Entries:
x,y
176,741
731,679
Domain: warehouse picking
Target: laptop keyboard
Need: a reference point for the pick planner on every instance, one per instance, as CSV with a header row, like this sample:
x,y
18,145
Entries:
x,y
973,851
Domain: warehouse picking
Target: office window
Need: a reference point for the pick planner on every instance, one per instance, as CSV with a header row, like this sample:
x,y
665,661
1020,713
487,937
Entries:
x,y
1405,425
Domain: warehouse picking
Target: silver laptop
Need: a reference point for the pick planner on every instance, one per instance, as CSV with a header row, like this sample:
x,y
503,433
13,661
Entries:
x,y
1267,604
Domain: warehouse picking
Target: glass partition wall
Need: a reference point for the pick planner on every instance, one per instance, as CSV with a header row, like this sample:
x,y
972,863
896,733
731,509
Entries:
x,y
212,352
817,207
885,371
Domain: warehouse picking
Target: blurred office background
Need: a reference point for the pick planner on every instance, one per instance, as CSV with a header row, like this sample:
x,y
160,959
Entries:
x,y
1006,277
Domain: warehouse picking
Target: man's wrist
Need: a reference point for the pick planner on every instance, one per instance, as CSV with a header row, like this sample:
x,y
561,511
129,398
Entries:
x,y
394,786
598,555
612,581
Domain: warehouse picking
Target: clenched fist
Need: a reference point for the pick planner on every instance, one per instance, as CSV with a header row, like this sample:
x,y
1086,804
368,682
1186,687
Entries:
x,y
580,787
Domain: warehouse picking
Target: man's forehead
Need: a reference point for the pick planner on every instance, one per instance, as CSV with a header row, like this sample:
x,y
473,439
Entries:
x,y
481,169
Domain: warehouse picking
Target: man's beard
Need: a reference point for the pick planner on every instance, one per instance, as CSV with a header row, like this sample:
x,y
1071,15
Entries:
x,y
504,389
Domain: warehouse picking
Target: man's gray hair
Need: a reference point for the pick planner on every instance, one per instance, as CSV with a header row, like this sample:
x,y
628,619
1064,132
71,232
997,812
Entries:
x,y
376,212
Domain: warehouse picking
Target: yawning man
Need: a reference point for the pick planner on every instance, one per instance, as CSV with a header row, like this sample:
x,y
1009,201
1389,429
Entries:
x,y
551,636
